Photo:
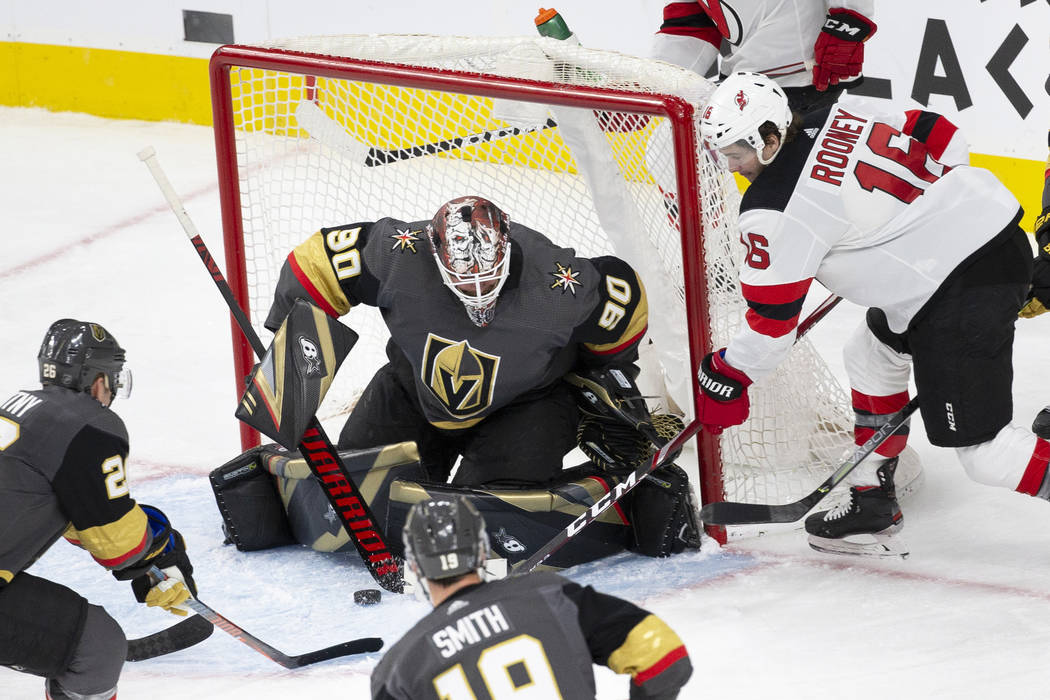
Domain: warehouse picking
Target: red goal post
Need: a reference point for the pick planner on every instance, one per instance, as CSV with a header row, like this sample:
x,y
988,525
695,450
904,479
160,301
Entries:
x,y
597,150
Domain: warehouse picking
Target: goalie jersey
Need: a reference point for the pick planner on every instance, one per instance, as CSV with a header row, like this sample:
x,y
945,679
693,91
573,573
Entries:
x,y
62,472
538,633
879,207
555,311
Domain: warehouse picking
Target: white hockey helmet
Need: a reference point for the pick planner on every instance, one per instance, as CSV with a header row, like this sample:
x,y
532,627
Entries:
x,y
739,106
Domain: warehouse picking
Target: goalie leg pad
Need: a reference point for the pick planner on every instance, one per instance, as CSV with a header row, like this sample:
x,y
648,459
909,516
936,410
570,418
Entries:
x,y
660,514
252,514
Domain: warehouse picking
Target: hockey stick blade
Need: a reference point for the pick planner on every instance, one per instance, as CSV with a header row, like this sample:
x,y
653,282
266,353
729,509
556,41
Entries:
x,y
356,646
346,500
331,133
182,635
364,645
733,513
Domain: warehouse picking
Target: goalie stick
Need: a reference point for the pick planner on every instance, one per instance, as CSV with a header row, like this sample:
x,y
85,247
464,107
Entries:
x,y
331,133
733,513
339,488
646,468
356,646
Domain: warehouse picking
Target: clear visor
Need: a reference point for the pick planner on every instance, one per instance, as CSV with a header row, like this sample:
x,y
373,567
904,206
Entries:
x,y
123,388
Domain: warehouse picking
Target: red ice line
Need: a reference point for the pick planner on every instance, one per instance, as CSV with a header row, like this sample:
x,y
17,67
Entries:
x,y
91,238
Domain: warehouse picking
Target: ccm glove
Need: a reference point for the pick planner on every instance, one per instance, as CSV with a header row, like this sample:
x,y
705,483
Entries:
x,y
839,51
723,401
168,553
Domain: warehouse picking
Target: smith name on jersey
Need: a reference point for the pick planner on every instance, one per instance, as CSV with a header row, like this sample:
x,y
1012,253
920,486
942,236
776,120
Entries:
x,y
62,472
879,207
539,634
556,310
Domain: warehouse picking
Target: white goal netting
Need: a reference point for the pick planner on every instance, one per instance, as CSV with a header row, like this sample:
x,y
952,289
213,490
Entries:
x,y
333,130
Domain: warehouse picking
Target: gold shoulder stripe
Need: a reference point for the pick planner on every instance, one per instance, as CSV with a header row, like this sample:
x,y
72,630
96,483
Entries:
x,y
6,575
117,543
312,259
646,646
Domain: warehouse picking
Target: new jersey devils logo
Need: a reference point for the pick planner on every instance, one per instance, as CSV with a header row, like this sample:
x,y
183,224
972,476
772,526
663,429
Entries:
x,y
741,100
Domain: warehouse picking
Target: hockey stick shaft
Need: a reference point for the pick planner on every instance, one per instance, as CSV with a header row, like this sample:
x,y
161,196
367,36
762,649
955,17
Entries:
x,y
356,646
733,513
331,133
339,488
635,477
380,156
182,635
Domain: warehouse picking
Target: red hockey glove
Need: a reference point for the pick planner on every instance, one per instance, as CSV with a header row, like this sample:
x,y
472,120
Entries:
x,y
839,51
723,401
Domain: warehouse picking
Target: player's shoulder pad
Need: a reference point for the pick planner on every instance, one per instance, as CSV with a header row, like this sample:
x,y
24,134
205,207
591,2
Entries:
x,y
68,412
621,312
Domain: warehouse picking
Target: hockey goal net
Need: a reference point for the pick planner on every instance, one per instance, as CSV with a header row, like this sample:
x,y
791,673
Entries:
x,y
597,150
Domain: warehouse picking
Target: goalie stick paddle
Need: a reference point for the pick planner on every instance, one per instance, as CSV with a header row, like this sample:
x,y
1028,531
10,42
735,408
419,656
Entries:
x,y
733,513
339,488
332,134
363,645
182,635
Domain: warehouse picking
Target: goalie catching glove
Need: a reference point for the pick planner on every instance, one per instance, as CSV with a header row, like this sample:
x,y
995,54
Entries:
x,y
618,448
839,51
723,399
168,553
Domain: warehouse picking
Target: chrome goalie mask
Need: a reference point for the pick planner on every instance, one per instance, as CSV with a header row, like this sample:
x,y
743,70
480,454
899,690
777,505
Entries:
x,y
469,237
741,104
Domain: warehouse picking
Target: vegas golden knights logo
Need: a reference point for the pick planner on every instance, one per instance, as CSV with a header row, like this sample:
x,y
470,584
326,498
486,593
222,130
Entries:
x,y
461,377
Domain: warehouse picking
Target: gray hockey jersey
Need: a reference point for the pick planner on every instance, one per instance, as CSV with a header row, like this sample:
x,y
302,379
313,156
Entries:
x,y
540,632
62,471
555,311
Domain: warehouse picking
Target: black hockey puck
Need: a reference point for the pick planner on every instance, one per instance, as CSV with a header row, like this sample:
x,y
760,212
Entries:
x,y
367,596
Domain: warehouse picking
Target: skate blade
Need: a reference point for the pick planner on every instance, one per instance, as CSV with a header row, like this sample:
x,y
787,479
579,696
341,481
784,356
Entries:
x,y
882,547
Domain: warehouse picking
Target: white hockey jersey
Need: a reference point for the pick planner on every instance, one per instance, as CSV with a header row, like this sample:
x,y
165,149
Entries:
x,y
879,207
774,37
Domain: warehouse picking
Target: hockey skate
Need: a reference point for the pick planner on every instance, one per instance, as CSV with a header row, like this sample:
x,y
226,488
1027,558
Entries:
x,y
864,524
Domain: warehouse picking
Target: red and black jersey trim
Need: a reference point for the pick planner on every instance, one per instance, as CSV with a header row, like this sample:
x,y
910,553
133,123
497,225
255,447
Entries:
x,y
931,129
689,19
774,310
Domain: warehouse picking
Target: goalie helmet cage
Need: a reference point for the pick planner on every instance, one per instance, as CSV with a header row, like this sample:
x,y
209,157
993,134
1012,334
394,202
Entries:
x,y
595,149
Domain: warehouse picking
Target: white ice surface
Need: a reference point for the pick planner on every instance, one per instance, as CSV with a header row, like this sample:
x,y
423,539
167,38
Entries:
x,y
86,234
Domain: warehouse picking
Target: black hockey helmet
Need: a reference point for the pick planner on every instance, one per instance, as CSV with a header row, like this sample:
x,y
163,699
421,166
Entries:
x,y
445,538
75,352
